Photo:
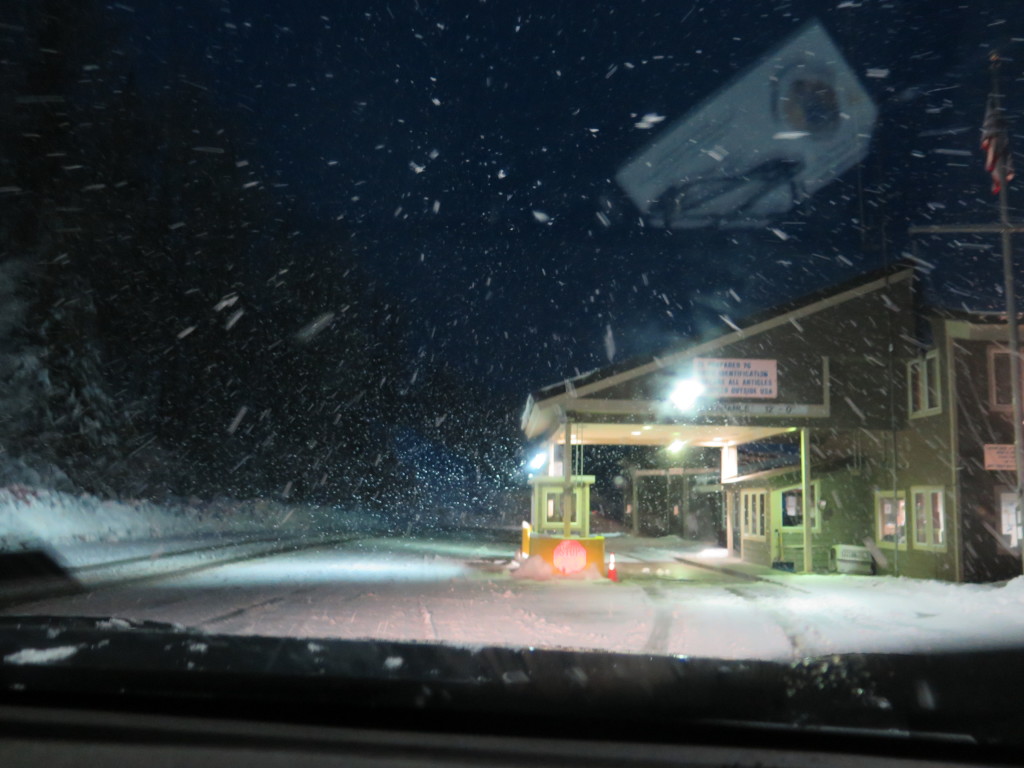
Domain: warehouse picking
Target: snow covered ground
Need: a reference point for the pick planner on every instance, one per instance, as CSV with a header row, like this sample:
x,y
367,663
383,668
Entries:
x,y
462,591
674,597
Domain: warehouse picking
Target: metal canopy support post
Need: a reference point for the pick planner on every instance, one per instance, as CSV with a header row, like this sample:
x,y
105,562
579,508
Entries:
x,y
730,533
805,494
634,479
1015,361
1009,286
567,474
1006,229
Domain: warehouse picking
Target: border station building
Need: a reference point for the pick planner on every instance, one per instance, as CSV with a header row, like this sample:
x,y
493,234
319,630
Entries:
x,y
848,426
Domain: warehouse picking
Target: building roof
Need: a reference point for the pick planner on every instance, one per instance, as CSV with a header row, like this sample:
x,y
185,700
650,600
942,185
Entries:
x,y
546,408
726,331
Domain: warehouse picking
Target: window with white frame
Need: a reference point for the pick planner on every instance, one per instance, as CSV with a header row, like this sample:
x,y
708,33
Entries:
x,y
891,519
754,506
791,504
923,387
1000,389
929,517
1008,518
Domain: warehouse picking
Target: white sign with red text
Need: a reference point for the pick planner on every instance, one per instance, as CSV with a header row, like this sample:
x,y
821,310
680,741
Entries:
x,y
1000,456
737,377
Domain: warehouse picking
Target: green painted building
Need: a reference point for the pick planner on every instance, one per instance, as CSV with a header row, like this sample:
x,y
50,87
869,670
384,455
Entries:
x,y
847,419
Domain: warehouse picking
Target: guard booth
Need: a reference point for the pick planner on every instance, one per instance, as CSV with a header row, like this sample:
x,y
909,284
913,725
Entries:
x,y
546,508
565,545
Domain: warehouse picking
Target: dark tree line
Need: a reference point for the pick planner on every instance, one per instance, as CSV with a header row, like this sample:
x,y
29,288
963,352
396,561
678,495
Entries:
x,y
170,323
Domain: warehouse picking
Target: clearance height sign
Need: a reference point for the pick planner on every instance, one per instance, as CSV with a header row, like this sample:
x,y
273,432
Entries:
x,y
738,377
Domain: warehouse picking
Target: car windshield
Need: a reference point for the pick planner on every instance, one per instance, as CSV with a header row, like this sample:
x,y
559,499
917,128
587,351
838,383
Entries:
x,y
678,330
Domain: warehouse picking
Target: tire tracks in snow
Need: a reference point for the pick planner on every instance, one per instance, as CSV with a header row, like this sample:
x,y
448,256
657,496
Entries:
x,y
795,635
758,594
239,612
657,640
428,621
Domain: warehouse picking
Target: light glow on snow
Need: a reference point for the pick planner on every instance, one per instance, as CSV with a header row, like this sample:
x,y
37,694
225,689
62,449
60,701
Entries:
x,y
322,568
713,552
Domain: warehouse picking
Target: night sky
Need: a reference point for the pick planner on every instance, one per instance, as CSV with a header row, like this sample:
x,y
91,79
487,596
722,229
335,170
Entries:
x,y
466,149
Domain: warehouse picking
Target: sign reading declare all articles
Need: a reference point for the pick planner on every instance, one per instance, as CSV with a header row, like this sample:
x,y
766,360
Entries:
x,y
737,377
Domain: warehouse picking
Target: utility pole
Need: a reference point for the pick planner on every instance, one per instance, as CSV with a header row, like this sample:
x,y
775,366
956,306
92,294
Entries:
x,y
995,141
1004,172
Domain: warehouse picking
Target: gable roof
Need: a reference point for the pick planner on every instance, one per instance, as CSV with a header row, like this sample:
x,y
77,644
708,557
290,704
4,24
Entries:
x,y
557,395
750,326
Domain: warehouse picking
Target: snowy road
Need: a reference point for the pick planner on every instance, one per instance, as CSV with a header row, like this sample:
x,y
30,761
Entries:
x,y
460,593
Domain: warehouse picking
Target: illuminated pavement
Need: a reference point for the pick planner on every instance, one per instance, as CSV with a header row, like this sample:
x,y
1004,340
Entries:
x,y
463,593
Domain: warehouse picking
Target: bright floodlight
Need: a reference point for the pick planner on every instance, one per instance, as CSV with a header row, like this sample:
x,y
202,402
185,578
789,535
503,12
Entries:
x,y
685,394
676,446
538,461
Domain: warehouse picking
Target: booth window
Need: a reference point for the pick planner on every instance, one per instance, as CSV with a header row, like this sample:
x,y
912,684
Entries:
x,y
891,519
929,518
553,508
923,385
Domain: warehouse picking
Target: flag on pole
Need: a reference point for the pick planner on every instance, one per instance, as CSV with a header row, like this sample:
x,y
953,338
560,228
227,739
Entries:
x,y
995,143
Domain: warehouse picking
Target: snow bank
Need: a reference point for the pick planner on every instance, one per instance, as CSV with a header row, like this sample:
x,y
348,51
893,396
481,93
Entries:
x,y
537,569
30,516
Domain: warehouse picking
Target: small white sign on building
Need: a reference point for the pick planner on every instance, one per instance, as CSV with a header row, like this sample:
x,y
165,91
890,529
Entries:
x,y
737,377
1000,457
1008,511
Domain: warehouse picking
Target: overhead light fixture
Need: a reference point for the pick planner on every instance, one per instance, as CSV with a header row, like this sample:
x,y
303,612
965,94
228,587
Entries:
x,y
685,393
676,446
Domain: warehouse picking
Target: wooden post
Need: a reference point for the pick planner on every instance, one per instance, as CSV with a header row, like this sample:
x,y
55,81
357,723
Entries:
x,y
1006,229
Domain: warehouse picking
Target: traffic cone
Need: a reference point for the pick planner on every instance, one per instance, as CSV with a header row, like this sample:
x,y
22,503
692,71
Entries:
x,y
613,574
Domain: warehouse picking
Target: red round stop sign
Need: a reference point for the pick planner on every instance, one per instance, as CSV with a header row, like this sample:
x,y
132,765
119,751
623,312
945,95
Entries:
x,y
569,557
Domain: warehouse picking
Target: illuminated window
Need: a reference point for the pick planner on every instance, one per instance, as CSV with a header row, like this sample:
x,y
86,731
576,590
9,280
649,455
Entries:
x,y
929,518
1008,519
891,519
792,508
